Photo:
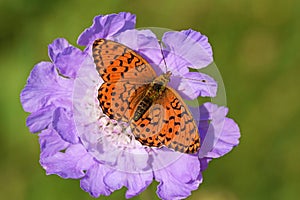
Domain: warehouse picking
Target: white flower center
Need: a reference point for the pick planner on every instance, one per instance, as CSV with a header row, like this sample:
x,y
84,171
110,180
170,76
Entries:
x,y
116,133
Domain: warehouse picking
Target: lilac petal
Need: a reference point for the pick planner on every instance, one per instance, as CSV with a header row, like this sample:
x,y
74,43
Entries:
x,y
178,179
221,134
195,84
174,63
105,26
51,143
135,182
66,58
56,47
93,180
63,123
138,39
40,119
45,87
145,43
210,126
204,163
228,139
202,39
70,164
69,61
184,50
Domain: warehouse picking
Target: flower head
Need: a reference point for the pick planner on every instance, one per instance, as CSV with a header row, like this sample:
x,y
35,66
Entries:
x,y
77,140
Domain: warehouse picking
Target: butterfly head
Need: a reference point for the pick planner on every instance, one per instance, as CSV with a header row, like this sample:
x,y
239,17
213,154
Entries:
x,y
163,79
167,75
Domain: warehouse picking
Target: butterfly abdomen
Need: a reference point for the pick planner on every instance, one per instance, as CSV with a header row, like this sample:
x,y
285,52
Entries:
x,y
154,92
142,107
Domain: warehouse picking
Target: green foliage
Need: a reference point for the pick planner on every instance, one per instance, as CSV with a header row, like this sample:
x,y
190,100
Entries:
x,y
256,48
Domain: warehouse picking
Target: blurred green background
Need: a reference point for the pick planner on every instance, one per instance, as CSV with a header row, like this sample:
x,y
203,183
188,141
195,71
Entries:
x,y
256,47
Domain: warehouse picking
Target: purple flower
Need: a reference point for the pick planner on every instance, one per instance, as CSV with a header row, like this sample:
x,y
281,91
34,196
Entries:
x,y
78,141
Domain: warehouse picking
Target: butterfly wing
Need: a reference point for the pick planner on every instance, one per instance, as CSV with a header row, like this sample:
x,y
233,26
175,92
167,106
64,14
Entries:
x,y
168,122
147,128
125,74
186,135
118,101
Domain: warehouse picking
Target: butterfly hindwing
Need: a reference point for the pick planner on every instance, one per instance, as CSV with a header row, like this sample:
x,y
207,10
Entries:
x,y
146,129
118,100
186,137
168,122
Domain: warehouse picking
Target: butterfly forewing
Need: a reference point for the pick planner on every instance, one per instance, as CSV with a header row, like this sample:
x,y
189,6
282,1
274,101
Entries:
x,y
116,62
125,74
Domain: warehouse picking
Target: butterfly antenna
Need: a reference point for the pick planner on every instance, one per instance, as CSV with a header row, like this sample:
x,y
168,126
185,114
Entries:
x,y
162,53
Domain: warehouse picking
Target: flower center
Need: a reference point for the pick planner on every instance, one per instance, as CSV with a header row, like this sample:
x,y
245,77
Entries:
x,y
116,133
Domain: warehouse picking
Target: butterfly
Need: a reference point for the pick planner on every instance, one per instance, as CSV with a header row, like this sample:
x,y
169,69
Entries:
x,y
133,93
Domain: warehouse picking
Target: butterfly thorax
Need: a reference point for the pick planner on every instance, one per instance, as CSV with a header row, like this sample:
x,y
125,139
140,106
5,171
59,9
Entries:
x,y
156,90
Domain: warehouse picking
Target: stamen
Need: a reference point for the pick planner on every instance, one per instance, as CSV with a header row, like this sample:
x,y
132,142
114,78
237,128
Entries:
x,y
117,133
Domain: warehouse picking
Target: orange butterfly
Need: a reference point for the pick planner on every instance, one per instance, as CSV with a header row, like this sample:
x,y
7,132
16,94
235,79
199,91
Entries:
x,y
132,92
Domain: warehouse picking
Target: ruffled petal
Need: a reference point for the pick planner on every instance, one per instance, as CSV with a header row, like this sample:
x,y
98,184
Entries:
x,y
39,120
51,143
69,61
93,180
105,26
56,47
184,50
195,84
204,163
179,178
70,164
64,124
220,135
135,182
46,87
201,39
228,139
